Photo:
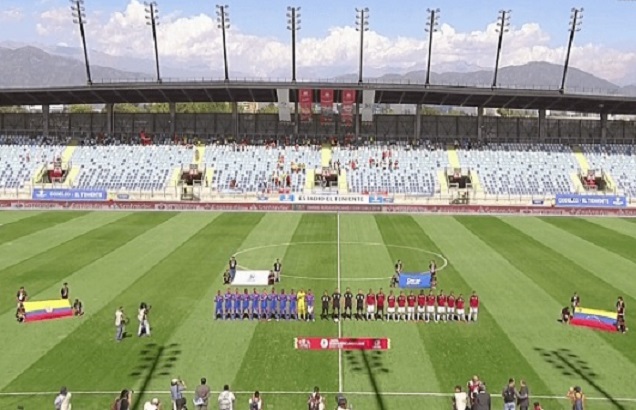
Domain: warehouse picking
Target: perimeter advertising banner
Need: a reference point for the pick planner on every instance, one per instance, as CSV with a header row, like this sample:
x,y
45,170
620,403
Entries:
x,y
346,114
591,201
337,199
326,106
343,343
305,102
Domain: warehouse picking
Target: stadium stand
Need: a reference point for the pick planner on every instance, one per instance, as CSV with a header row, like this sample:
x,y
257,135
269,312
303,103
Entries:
x,y
393,170
21,157
522,169
244,168
619,161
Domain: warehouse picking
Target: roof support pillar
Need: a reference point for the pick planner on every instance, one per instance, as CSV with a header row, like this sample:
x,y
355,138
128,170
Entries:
x,y
543,126
418,123
45,120
110,119
480,123
235,120
173,119
603,127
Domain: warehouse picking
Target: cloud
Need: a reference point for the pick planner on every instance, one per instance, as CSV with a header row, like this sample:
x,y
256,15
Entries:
x,y
13,14
195,41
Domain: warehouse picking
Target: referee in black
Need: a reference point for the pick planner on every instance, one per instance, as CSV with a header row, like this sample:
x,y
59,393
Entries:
x,y
335,298
325,306
359,305
348,306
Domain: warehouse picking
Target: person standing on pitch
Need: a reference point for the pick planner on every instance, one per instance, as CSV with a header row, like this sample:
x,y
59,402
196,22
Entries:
x,y
142,316
226,399
202,395
120,324
278,269
232,265
509,395
310,306
64,292
523,396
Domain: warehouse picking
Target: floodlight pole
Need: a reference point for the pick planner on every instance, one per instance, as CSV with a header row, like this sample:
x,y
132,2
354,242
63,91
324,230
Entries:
x,y
293,24
224,24
151,20
79,18
503,22
362,25
575,25
431,27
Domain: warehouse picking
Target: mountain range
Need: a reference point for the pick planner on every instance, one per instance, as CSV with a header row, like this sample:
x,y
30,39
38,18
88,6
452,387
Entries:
x,y
30,66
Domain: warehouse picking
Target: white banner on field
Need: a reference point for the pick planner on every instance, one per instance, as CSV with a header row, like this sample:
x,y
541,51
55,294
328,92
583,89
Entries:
x,y
332,199
368,102
284,109
251,278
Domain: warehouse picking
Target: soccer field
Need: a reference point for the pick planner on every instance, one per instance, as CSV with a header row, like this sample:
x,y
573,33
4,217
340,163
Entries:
x,y
524,269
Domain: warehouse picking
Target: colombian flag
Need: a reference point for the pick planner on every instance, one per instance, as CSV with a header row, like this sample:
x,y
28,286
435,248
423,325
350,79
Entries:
x,y
47,309
595,319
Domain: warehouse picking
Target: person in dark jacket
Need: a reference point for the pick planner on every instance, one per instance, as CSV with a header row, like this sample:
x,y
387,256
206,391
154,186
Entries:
x,y
482,400
523,396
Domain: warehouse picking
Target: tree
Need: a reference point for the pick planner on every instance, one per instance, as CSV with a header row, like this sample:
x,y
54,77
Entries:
x,y
270,108
80,108
426,110
13,109
508,112
128,108
191,108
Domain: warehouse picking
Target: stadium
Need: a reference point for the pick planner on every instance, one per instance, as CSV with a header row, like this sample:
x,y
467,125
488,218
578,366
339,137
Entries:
x,y
189,199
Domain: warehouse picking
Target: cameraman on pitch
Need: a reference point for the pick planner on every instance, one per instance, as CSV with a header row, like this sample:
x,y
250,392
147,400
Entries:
x,y
177,387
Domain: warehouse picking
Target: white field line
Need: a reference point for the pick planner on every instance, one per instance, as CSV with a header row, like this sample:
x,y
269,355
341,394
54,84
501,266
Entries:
x,y
340,375
305,393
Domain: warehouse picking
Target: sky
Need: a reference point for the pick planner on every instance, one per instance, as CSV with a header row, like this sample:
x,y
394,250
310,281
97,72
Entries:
x,y
259,43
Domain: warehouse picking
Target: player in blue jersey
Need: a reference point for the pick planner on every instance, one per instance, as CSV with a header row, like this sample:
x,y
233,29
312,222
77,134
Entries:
x,y
310,298
293,299
282,303
273,304
237,304
245,304
227,298
263,313
218,305
254,304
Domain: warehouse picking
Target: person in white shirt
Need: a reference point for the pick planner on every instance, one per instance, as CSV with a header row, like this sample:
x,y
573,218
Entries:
x,y
316,401
120,324
152,405
142,316
226,399
460,399
63,400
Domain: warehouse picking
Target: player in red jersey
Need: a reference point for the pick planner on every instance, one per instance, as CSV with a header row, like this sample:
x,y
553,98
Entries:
x,y
411,299
421,306
371,305
441,307
474,307
401,302
430,306
450,303
390,310
380,300
459,305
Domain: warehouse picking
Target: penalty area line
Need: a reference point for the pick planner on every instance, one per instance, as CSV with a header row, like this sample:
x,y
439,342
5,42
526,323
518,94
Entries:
x,y
304,393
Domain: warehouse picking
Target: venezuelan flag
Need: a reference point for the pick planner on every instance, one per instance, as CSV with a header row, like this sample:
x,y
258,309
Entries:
x,y
47,309
595,319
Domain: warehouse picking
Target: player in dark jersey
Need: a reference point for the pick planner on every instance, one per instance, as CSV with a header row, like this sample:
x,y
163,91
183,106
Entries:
x,y
335,299
359,305
398,267
380,302
620,307
278,269
575,301
232,264
325,299
348,304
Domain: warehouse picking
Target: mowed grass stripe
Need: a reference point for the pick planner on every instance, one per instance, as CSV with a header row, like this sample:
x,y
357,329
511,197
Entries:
x,y
594,267
458,349
609,239
232,338
42,352
7,217
271,363
380,371
26,247
537,272
624,226
25,226
39,273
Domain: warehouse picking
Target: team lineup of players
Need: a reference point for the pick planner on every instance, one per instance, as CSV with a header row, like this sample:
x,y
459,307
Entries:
x,y
299,305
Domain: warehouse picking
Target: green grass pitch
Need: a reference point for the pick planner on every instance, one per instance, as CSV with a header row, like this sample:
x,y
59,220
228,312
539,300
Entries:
x,y
524,269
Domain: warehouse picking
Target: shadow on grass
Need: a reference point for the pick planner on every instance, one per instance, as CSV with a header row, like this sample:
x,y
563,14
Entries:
x,y
572,365
372,364
154,361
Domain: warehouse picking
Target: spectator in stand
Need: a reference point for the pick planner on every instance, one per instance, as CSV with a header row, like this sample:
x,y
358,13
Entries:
x,y
460,399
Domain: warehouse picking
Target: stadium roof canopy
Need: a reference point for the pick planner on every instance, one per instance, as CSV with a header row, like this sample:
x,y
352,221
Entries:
x,y
253,91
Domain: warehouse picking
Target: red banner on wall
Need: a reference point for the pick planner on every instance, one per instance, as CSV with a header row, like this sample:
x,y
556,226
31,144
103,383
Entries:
x,y
306,101
348,99
326,106
343,343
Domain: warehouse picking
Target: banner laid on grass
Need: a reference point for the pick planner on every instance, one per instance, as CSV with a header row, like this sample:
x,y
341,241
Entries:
x,y
250,278
595,319
47,310
591,201
413,280
70,195
343,343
